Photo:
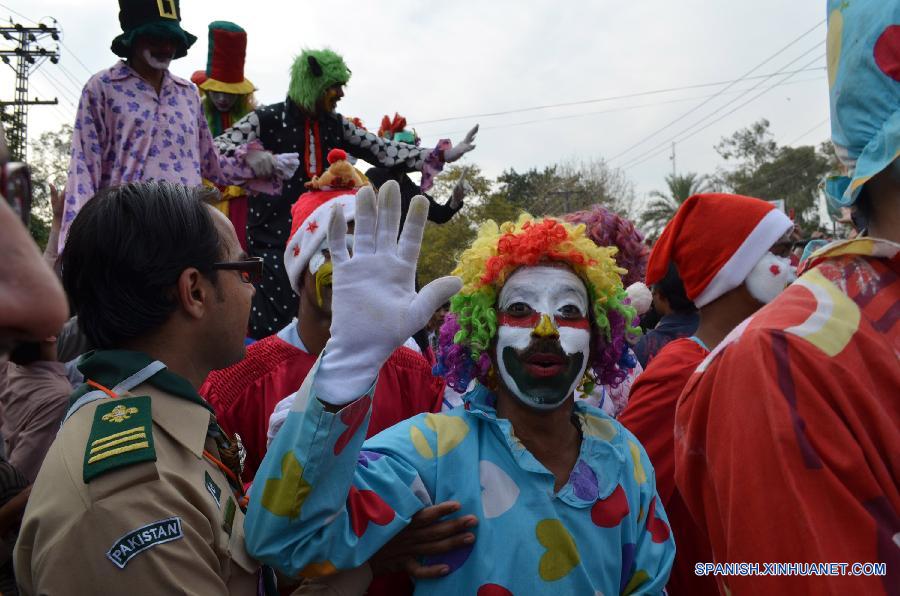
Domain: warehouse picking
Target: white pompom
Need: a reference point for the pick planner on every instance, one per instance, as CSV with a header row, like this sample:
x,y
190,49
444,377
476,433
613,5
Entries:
x,y
639,296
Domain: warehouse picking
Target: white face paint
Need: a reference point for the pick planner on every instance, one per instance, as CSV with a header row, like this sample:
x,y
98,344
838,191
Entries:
x,y
147,55
769,277
223,101
540,306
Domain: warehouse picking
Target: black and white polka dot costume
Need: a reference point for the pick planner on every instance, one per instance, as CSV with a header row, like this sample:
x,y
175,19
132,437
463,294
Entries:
x,y
284,128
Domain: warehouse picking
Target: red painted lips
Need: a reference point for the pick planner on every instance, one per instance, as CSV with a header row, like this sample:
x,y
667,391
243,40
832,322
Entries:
x,y
545,364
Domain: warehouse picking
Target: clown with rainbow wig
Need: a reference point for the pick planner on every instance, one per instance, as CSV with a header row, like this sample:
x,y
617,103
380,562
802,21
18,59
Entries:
x,y
565,497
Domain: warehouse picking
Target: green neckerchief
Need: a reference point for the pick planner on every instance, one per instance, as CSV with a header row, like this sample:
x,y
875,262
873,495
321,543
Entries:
x,y
109,367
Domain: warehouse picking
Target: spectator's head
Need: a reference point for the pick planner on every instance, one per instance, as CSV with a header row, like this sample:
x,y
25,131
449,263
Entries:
x,y
29,352
317,81
151,32
151,264
606,228
307,261
864,82
437,319
542,309
32,304
720,243
669,296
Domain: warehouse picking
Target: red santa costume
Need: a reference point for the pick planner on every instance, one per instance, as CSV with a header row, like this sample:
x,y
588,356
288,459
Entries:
x,y
788,434
714,241
244,396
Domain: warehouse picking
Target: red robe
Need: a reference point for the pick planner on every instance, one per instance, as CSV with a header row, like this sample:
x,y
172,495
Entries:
x,y
788,435
244,395
650,415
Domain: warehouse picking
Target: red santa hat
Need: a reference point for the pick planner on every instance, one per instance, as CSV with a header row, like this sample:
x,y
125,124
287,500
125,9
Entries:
x,y
715,240
310,216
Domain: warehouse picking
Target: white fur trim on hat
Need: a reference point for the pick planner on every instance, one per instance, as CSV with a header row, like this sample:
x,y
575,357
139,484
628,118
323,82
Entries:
x,y
309,236
639,297
733,273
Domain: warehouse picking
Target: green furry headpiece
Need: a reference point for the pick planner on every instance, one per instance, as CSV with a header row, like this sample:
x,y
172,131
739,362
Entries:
x,y
312,73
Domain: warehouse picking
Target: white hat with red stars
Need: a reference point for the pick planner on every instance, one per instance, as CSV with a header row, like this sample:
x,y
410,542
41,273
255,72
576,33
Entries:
x,y
310,216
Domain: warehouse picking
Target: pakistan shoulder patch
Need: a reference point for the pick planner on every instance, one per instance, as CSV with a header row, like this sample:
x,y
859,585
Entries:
x,y
121,435
137,541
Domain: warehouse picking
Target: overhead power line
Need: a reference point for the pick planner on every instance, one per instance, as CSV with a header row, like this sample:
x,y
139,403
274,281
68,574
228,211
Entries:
x,y
586,101
743,77
625,108
814,127
647,155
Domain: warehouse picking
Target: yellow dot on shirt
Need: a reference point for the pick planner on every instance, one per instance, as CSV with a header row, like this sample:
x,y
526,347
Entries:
x,y
833,44
640,476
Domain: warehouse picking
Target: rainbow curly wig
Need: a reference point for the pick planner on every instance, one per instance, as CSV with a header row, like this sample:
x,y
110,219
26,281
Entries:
x,y
471,324
606,228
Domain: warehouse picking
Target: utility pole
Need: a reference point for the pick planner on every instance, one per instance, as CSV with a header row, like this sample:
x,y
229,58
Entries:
x,y
672,157
29,55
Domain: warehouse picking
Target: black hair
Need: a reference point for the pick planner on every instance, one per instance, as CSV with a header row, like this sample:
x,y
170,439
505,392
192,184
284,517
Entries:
x,y
25,353
672,289
124,254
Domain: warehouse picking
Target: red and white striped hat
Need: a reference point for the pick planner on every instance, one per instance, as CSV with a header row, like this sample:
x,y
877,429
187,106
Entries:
x,y
715,240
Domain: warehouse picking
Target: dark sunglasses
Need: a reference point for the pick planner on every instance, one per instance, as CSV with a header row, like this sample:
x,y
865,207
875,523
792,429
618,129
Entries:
x,y
15,186
250,269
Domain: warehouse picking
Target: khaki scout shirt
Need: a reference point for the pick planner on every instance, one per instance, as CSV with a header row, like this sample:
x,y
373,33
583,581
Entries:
x,y
153,527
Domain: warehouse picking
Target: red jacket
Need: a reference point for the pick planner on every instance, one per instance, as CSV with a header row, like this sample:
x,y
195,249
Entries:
x,y
650,415
244,395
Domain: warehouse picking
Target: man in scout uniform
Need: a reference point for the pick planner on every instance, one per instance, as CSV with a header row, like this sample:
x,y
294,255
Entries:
x,y
140,492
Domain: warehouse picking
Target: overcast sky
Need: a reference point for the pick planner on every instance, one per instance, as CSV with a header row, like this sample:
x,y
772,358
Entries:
x,y
436,61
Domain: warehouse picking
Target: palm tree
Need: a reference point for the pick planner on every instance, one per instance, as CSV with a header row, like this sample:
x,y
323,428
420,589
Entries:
x,y
663,206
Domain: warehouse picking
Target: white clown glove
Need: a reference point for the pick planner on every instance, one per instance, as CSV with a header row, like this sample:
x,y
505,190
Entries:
x,y
261,162
374,304
460,190
286,164
461,148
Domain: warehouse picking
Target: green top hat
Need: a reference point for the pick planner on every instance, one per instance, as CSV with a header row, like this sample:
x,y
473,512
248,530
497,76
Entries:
x,y
157,18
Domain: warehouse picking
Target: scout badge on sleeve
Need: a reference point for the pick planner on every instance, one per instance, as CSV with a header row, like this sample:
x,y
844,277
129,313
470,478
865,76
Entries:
x,y
137,541
121,435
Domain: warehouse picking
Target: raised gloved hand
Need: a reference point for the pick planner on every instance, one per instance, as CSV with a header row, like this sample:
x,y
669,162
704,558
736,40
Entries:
x,y
461,148
460,190
374,305
286,164
262,163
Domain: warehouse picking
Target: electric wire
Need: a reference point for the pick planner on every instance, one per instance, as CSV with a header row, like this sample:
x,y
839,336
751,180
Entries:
x,y
815,127
743,77
586,101
678,138
611,110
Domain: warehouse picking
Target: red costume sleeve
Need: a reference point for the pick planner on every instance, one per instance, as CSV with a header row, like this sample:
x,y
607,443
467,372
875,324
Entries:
x,y
406,387
245,394
784,454
650,413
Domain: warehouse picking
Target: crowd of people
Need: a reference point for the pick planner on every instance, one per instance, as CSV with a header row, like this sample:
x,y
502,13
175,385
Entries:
x,y
223,376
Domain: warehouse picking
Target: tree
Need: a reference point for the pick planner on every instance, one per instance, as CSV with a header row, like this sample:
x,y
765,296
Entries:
x,y
664,205
765,170
49,165
443,243
568,186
